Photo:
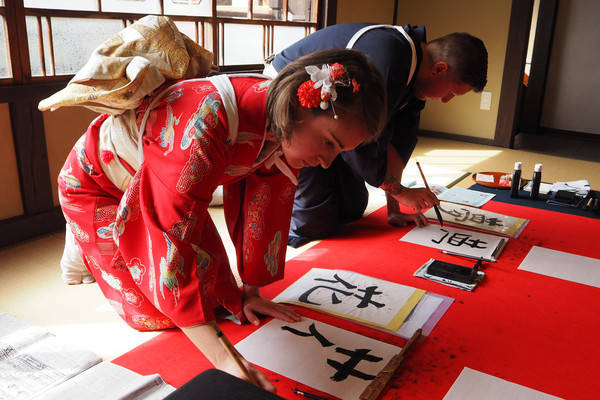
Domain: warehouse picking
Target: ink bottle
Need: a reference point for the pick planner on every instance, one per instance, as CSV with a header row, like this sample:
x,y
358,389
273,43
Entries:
x,y
516,180
537,179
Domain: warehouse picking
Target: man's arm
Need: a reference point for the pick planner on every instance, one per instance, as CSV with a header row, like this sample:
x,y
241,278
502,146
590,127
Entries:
x,y
417,199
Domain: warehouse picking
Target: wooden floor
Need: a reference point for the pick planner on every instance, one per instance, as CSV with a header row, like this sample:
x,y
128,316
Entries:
x,y
32,290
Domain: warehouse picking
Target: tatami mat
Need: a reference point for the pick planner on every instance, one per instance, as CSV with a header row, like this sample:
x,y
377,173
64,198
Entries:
x,y
32,290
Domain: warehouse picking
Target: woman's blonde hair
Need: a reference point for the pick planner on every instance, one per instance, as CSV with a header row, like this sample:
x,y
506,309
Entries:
x,y
367,106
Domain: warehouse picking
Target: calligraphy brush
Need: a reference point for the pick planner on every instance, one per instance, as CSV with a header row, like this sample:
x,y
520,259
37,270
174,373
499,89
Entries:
x,y
233,353
435,207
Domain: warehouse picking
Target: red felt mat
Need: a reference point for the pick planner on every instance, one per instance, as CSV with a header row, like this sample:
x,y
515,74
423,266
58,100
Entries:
x,y
534,330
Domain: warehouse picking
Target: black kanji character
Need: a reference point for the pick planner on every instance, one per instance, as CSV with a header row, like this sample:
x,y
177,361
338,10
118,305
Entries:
x,y
334,299
494,222
312,332
346,369
366,299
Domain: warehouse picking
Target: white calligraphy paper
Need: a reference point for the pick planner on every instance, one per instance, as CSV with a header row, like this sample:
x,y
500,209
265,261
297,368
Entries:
x,y
479,219
319,355
354,296
457,241
468,197
558,264
475,385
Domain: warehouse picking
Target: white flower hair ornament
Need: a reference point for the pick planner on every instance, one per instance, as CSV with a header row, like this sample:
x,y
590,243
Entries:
x,y
320,89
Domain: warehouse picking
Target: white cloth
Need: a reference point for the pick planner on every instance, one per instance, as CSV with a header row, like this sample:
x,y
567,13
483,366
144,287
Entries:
x,y
74,271
581,187
362,31
270,71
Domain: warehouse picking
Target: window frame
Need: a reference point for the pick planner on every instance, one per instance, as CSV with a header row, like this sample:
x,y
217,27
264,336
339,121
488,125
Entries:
x,y
22,93
15,14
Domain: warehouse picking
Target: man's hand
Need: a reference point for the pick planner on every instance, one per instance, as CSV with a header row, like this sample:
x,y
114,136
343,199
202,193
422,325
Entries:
x,y
417,198
402,220
398,218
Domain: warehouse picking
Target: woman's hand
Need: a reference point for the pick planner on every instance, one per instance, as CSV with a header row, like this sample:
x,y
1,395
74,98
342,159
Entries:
x,y
230,366
254,304
205,337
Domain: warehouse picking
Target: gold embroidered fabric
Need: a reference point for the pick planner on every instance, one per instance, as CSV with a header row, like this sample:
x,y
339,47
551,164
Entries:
x,y
130,65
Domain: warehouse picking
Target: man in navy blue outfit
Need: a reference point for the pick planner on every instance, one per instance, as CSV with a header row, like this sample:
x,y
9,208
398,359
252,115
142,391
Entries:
x,y
414,71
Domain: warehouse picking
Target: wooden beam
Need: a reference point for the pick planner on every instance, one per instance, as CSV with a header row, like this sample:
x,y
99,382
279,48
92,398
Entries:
x,y
458,138
326,13
215,33
16,229
51,44
31,93
132,16
533,98
512,77
32,156
17,40
41,45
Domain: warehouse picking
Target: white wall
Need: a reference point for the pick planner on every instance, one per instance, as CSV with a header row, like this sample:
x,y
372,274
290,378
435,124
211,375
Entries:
x,y
571,101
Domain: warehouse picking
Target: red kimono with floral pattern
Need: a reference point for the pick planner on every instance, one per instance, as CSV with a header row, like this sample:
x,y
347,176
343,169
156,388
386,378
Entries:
x,y
154,250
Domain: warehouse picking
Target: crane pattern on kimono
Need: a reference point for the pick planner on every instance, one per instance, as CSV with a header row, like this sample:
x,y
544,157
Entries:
x,y
167,133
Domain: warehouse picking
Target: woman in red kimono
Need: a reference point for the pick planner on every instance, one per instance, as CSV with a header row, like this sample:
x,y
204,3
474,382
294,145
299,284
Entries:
x,y
153,248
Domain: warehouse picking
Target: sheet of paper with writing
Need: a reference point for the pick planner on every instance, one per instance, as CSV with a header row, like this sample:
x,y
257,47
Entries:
x,y
33,360
457,241
479,219
110,381
319,355
354,296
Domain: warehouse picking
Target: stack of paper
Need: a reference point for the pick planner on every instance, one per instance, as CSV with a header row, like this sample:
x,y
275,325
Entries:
x,y
32,360
36,364
110,381
389,306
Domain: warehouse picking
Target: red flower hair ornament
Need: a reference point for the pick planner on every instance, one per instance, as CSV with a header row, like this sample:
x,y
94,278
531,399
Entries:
x,y
320,89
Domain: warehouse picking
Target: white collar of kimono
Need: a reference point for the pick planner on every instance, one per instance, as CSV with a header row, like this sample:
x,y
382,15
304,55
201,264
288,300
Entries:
x,y
413,63
227,93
